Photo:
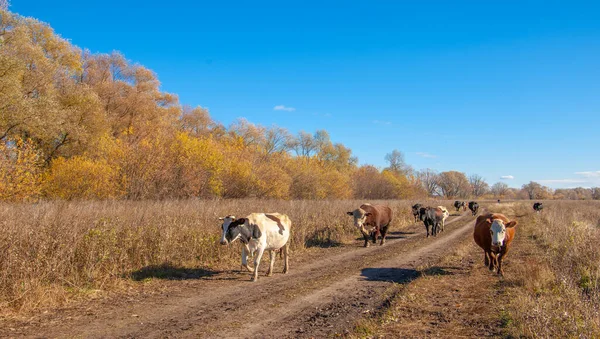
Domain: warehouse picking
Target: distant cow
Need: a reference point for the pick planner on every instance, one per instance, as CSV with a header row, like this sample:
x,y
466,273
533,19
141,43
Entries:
x,y
415,211
459,204
538,207
432,217
445,215
474,207
494,233
259,232
372,220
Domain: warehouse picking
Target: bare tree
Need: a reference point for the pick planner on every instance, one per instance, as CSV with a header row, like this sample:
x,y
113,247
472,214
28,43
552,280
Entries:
x,y
535,190
478,185
276,140
499,189
4,4
595,193
429,181
304,144
397,163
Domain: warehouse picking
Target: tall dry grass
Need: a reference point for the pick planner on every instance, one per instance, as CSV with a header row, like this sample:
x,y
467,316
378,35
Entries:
x,y
53,252
557,292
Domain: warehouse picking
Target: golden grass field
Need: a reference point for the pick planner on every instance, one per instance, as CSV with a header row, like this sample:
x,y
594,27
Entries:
x,y
55,253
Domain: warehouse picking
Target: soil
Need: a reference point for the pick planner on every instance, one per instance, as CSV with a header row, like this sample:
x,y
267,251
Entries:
x,y
325,294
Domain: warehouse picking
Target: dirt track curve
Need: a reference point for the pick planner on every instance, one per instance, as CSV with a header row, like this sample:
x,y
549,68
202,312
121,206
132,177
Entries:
x,y
318,298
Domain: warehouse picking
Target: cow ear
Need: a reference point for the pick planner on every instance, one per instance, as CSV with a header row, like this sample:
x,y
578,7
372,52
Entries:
x,y
256,233
511,224
221,218
349,213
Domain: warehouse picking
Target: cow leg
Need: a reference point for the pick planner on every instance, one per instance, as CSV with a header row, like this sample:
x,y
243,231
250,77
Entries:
x,y
257,258
486,259
374,236
383,233
492,261
366,236
271,263
245,259
500,272
286,254
427,228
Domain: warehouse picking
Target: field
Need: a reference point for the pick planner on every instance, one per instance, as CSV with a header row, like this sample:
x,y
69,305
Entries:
x,y
156,269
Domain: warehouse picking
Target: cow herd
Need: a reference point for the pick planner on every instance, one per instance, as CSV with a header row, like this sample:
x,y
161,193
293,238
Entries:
x,y
260,232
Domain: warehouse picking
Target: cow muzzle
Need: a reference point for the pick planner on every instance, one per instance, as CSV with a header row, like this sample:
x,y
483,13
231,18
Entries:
x,y
224,242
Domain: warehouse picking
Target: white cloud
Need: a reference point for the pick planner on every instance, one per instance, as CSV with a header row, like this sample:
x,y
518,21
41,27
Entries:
x,y
426,155
507,177
583,179
283,108
589,174
561,181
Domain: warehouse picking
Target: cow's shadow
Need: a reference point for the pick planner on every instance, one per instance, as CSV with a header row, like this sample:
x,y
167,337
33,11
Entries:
x,y
170,272
398,235
390,274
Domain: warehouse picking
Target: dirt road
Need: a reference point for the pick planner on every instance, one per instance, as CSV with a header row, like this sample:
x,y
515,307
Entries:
x,y
321,296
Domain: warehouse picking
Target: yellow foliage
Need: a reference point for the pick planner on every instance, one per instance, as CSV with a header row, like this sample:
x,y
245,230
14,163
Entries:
x,y
20,170
83,178
199,163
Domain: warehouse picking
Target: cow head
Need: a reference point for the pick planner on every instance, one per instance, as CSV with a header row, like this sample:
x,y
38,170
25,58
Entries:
x,y
498,231
360,217
231,229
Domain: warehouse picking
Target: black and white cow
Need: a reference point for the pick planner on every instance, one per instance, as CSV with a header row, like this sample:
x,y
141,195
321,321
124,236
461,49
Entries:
x,y
459,204
259,232
538,207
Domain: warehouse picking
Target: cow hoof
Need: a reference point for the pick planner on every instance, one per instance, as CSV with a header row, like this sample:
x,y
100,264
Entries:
x,y
248,268
285,271
254,279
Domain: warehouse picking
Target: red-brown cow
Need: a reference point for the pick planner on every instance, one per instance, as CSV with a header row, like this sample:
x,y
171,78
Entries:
x,y
494,233
373,219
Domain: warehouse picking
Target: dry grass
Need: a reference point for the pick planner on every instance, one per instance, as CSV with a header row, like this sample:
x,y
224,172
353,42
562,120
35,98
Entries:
x,y
554,291
55,252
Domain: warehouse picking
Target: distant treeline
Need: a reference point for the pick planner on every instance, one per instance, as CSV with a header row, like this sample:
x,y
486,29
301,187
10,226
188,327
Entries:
x,y
78,125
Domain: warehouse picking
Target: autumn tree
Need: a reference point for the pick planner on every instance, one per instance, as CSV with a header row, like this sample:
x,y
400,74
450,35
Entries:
x,y
595,193
479,186
454,184
534,190
499,189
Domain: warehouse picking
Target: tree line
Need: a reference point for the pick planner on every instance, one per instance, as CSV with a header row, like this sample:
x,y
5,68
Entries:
x,y
79,125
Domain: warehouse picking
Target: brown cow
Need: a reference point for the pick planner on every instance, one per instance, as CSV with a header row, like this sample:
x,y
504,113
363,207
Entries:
x,y
494,233
373,219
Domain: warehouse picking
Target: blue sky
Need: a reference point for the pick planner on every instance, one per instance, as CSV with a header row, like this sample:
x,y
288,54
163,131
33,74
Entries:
x,y
497,88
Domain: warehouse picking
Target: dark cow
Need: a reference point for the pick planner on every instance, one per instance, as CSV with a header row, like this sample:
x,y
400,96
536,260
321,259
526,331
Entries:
x,y
538,207
493,233
415,211
432,217
459,204
474,207
373,220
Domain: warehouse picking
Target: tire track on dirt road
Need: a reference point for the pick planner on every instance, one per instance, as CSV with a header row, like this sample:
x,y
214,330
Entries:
x,y
310,300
